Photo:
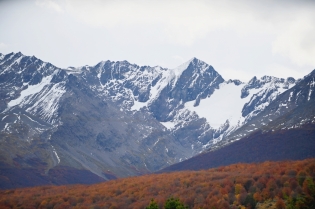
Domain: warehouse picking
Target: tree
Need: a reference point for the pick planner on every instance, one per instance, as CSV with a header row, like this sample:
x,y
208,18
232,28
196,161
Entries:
x,y
250,201
238,188
153,205
280,204
301,177
172,203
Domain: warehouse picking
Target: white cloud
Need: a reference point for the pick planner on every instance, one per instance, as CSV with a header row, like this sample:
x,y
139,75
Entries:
x,y
297,41
241,75
179,58
50,4
279,71
182,22
2,45
242,38
185,22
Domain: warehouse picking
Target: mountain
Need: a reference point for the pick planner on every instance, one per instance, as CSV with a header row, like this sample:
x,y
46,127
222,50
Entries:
x,y
292,144
284,130
58,122
292,109
118,119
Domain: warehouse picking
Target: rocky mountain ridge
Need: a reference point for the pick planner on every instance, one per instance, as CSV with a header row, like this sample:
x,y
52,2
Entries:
x,y
117,119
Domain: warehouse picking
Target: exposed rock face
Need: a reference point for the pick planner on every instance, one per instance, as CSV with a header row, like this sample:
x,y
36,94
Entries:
x,y
120,119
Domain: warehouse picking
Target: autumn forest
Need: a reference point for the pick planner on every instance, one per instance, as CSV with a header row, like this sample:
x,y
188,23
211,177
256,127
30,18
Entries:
x,y
285,184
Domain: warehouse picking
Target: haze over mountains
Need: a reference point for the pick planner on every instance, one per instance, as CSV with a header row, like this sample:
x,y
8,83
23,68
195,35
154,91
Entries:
x,y
117,119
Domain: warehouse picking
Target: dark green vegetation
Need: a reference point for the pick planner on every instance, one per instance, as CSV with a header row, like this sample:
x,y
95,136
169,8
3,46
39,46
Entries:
x,y
171,203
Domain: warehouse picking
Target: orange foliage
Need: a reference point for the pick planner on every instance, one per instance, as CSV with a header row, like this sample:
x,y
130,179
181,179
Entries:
x,y
234,186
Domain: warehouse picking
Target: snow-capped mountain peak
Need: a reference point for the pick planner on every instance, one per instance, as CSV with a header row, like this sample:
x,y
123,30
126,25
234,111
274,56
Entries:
x,y
139,117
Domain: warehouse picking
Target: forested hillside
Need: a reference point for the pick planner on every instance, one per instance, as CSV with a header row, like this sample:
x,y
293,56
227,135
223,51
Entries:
x,y
289,183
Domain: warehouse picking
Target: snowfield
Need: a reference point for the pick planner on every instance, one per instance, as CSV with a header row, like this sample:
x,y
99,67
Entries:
x,y
224,104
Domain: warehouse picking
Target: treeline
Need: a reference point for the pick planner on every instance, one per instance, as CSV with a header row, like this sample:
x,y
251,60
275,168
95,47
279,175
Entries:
x,y
289,183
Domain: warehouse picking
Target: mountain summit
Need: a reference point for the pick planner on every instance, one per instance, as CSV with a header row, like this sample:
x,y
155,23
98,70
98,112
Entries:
x,y
117,119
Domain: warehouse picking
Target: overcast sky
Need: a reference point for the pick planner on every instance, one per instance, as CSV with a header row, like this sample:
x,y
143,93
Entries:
x,y
239,39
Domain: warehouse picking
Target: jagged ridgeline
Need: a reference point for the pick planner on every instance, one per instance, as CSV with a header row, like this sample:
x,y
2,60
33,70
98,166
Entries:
x,y
116,119
283,184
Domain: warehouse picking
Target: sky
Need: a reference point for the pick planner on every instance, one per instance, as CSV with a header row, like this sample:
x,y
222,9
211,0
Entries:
x,y
240,39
